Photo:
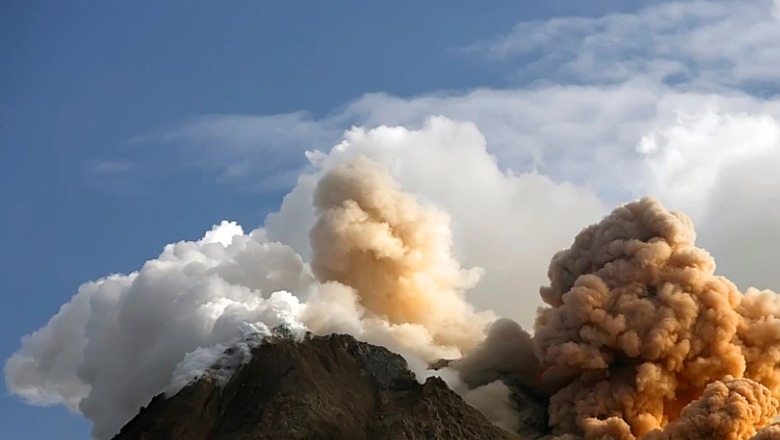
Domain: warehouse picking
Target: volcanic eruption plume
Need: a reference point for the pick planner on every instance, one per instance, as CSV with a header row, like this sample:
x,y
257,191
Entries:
x,y
394,253
382,271
639,339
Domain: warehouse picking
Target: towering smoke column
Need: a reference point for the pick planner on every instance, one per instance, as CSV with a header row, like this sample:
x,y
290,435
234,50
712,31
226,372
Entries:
x,y
640,335
395,254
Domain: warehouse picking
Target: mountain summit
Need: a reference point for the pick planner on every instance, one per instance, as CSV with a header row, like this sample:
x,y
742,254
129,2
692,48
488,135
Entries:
x,y
329,387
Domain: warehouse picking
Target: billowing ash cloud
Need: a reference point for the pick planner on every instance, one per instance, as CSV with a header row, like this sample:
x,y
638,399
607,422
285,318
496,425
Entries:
x,y
638,338
396,255
731,409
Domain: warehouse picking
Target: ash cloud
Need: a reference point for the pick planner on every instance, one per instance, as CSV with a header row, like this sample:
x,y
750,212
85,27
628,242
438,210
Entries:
x,y
640,339
395,254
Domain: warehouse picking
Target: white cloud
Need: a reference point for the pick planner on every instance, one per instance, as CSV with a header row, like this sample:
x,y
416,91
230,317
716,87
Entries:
x,y
241,132
619,77
120,338
722,169
701,43
582,132
687,159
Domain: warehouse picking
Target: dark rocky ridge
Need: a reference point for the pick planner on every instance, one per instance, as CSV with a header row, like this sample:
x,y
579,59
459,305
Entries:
x,y
322,388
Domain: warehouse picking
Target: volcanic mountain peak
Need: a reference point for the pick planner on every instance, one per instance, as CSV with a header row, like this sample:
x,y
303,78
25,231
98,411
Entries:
x,y
320,387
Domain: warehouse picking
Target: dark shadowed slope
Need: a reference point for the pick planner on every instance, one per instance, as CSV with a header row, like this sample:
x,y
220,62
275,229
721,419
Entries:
x,y
331,387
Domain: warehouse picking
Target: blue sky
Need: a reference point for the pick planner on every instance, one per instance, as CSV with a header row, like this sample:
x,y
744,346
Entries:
x,y
124,127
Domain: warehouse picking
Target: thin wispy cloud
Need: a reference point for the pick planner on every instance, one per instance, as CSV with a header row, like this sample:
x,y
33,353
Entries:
x,y
261,152
703,44
276,133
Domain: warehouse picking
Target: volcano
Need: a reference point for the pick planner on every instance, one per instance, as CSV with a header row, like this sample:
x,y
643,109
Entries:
x,y
320,387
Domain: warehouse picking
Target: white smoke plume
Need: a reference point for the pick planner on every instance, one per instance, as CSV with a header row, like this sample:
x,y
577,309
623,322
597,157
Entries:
x,y
119,340
384,270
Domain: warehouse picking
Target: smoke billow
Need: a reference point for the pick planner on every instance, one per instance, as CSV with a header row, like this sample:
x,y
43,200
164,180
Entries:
x,y
728,409
394,253
507,349
771,432
638,339
124,338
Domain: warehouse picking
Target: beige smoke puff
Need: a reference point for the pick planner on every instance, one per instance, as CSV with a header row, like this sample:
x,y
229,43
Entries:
x,y
395,254
728,410
759,330
771,432
638,326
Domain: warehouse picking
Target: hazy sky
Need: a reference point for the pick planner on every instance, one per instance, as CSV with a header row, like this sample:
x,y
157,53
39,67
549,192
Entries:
x,y
127,127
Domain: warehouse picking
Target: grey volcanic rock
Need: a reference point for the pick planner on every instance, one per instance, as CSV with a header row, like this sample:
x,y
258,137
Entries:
x,y
331,387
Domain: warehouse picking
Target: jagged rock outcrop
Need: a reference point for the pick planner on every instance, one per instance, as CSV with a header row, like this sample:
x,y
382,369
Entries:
x,y
331,387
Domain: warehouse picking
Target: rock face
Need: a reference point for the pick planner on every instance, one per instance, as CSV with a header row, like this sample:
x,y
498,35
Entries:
x,y
322,388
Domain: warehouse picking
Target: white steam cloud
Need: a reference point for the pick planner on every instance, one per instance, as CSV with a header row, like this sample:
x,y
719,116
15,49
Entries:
x,y
120,339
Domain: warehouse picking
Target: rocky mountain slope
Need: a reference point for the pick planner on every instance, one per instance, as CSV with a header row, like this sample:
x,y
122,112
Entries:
x,y
331,387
